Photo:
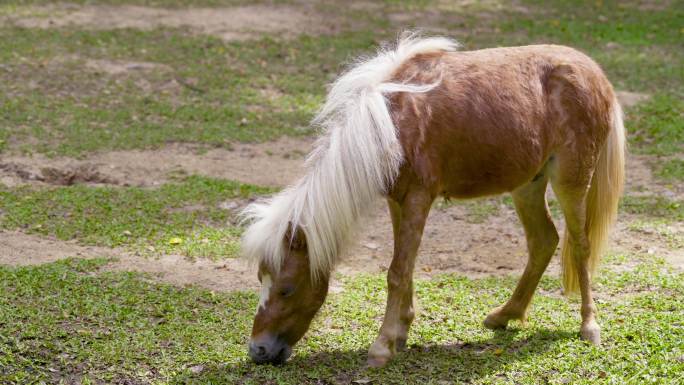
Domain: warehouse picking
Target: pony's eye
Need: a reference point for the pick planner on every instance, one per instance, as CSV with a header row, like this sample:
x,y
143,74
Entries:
x,y
287,291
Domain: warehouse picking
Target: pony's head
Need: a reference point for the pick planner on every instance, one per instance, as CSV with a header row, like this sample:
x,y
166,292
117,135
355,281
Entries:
x,y
289,300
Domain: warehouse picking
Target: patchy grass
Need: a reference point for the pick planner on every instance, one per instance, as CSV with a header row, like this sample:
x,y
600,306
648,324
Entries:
x,y
657,126
10,4
178,217
660,227
210,91
477,210
203,90
69,321
648,206
672,170
653,206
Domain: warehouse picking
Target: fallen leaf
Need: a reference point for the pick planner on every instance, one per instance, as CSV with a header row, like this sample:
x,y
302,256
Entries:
x,y
175,241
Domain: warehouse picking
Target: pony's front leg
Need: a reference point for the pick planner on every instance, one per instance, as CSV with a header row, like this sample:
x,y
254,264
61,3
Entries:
x,y
408,219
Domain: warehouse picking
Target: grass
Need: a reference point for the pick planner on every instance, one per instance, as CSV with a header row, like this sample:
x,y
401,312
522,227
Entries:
x,y
647,206
658,126
237,91
477,210
183,217
654,206
10,4
210,91
672,170
662,229
69,320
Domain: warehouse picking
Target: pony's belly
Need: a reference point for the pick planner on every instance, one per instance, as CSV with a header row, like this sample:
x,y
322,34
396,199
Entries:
x,y
470,190
477,182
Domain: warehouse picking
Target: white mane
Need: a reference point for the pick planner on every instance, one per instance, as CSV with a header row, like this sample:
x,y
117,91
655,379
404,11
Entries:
x,y
353,163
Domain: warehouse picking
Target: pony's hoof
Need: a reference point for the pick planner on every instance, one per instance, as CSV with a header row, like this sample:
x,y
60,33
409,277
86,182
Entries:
x,y
377,362
591,333
379,354
495,321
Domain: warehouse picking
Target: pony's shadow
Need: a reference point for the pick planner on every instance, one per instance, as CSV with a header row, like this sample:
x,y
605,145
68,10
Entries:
x,y
459,362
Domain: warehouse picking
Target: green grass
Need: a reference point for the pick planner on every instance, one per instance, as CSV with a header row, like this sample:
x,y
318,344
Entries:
x,y
647,206
70,321
672,170
653,206
477,210
658,126
182,217
10,4
261,90
237,91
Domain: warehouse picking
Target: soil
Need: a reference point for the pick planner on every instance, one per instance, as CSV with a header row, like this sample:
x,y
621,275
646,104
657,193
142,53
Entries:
x,y
228,23
451,244
630,99
19,249
275,164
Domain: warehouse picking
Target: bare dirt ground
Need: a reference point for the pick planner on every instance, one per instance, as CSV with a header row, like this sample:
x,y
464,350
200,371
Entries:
x,y
229,23
495,247
276,164
19,249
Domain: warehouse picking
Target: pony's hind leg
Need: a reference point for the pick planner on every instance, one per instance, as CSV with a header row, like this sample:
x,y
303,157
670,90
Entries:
x,y
408,220
542,239
572,199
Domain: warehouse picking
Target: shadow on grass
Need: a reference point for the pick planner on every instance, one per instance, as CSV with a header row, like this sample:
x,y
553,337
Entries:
x,y
454,363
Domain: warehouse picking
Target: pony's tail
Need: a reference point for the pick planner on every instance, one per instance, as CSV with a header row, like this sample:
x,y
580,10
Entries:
x,y
602,202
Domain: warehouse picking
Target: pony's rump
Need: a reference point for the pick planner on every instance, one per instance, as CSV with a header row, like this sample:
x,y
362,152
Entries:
x,y
355,161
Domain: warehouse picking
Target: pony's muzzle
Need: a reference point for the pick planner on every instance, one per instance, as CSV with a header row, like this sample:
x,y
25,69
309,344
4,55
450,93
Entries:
x,y
269,350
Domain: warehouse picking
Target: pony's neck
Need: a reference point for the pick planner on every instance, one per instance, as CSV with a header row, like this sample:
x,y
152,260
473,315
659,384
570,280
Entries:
x,y
354,163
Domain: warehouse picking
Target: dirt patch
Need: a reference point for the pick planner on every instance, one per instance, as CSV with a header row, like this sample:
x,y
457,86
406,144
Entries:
x,y
18,249
666,241
455,17
451,243
496,247
116,67
83,173
630,99
228,23
276,164
639,179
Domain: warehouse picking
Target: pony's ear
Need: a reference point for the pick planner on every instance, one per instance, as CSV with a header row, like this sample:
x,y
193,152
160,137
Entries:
x,y
295,239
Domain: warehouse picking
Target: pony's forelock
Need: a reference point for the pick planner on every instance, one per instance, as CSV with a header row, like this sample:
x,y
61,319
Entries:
x,y
354,162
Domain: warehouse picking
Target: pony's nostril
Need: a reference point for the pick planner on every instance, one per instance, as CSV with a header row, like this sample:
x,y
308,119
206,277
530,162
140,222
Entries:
x,y
261,351
258,352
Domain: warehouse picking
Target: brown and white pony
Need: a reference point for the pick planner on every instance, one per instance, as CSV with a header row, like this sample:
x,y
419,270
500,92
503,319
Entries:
x,y
423,120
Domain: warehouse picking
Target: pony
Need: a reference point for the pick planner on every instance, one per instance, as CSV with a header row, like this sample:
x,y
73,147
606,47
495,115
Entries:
x,y
422,120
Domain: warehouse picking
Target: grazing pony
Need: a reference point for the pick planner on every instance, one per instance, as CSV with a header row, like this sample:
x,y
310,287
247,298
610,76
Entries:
x,y
423,120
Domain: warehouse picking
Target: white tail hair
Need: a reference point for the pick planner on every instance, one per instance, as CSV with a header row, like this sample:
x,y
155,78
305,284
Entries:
x,y
602,202
353,163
